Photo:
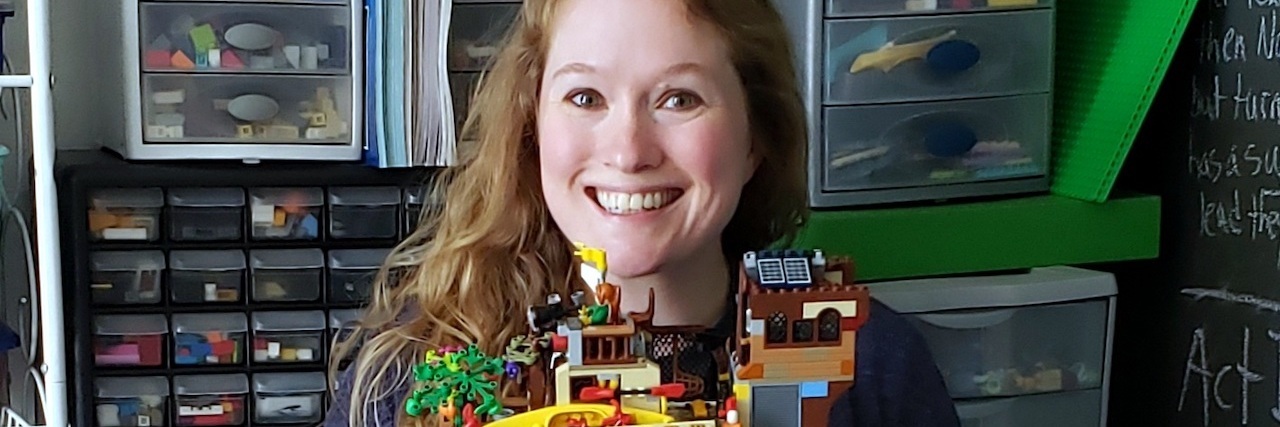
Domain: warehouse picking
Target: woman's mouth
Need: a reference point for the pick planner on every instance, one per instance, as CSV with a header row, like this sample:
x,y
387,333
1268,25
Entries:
x,y
625,203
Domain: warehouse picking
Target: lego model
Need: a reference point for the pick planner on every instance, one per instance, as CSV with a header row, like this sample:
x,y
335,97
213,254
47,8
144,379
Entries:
x,y
798,317
585,364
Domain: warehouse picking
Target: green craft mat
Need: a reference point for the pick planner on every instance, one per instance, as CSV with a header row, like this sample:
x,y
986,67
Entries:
x,y
1111,57
997,235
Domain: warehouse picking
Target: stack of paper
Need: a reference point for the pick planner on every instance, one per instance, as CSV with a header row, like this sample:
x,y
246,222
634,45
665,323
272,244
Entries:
x,y
410,119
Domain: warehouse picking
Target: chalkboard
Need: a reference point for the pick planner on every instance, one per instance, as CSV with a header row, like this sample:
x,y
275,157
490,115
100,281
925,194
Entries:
x,y
1223,227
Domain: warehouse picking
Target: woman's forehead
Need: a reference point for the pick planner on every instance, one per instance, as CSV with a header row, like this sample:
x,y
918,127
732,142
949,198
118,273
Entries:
x,y
606,34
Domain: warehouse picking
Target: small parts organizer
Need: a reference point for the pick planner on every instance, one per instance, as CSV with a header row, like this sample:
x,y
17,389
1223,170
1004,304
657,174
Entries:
x,y
922,100
212,296
243,80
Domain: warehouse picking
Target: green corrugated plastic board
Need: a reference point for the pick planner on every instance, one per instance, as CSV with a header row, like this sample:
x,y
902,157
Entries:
x,y
988,236
1111,57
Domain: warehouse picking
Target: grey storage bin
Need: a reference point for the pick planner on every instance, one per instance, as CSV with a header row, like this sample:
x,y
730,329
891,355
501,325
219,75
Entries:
x,y
958,56
288,336
286,213
127,277
209,338
923,57
1045,332
363,212
207,276
216,399
125,214
206,214
286,274
131,401
923,146
351,273
129,339
417,199
288,397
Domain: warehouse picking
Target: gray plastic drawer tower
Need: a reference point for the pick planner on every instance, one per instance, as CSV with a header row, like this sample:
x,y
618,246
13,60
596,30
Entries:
x,y
912,100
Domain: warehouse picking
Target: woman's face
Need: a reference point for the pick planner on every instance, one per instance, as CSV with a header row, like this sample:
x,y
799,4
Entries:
x,y
643,133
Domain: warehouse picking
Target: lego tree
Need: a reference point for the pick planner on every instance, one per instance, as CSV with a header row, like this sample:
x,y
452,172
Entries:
x,y
457,378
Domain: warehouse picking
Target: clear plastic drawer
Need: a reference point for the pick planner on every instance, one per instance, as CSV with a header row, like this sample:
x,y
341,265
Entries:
x,y
125,213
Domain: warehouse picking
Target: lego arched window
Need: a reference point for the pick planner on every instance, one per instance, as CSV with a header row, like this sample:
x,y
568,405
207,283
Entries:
x,y
776,328
829,325
802,330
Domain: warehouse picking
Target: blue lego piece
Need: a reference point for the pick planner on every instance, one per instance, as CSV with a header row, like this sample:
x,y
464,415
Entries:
x,y
813,389
310,226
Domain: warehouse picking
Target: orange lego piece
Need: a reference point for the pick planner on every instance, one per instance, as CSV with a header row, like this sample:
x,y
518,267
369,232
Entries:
x,y
279,218
181,61
99,221
846,367
751,371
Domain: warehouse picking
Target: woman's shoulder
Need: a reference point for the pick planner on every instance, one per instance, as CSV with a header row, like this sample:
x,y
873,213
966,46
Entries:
x,y
380,410
897,381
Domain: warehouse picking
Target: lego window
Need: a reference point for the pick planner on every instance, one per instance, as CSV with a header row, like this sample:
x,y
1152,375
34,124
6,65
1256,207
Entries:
x,y
802,331
829,325
776,328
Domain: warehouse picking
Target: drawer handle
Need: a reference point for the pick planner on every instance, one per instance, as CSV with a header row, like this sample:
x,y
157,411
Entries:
x,y
983,409
975,320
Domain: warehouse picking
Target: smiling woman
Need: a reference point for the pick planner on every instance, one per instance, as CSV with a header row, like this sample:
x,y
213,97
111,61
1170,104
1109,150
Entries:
x,y
670,134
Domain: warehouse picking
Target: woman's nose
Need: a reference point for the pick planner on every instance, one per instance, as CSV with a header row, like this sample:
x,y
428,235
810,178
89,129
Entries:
x,y
629,143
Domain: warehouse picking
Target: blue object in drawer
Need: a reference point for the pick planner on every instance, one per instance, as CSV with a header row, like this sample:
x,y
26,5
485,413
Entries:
x,y
940,57
935,143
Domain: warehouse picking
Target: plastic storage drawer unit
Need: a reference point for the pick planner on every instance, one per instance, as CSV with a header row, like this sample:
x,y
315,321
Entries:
x,y
129,339
286,213
125,213
209,338
127,277
286,274
288,336
1045,333
351,273
288,397
924,145
131,401
207,276
901,59
211,400
363,212
206,214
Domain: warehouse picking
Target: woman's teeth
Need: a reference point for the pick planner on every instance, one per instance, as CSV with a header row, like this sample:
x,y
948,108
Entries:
x,y
629,203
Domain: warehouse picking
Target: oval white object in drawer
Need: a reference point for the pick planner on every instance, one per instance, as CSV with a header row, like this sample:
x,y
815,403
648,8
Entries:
x,y
855,8
476,32
935,143
938,57
257,38
203,108
1020,350
1073,409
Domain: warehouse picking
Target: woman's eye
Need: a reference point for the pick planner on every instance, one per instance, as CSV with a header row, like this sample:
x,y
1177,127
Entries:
x,y
585,99
681,101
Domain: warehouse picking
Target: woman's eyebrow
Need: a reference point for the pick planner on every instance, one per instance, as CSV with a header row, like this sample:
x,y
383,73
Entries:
x,y
573,68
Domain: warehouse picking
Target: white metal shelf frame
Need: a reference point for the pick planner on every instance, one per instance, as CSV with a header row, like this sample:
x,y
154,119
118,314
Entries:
x,y
52,347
